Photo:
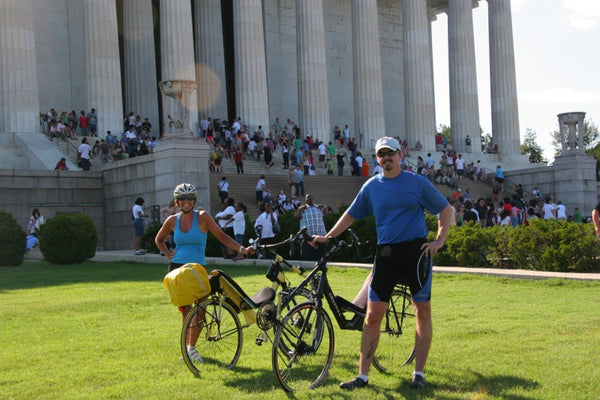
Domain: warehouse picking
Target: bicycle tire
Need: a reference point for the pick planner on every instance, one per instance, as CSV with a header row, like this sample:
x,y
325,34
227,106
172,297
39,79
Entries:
x,y
219,333
396,346
308,331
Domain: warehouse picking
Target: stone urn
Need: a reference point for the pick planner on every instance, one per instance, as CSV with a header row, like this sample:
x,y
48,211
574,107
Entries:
x,y
180,90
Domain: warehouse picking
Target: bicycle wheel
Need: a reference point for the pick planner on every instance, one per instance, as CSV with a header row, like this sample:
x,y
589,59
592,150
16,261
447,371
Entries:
x,y
397,340
303,348
215,330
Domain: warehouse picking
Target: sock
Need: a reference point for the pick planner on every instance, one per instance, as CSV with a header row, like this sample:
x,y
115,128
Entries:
x,y
365,378
420,373
189,347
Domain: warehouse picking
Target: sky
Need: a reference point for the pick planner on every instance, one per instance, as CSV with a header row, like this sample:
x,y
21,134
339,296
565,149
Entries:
x,y
557,57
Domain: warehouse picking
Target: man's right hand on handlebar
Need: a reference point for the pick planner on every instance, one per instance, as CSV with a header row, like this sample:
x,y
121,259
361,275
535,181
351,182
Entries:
x,y
316,239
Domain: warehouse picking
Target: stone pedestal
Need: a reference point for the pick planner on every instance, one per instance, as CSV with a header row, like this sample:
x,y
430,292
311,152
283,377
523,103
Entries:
x,y
177,124
575,181
570,126
177,160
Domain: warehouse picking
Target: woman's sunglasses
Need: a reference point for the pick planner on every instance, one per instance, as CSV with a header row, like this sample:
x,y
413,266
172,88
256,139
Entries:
x,y
184,198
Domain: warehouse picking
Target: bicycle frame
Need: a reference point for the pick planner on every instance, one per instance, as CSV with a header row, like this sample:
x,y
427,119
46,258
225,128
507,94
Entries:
x,y
318,276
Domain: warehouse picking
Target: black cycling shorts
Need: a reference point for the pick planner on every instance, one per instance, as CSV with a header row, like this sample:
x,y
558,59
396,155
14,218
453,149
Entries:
x,y
403,263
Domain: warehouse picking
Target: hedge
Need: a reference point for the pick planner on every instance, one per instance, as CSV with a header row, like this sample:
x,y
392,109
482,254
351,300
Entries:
x,y
13,244
544,245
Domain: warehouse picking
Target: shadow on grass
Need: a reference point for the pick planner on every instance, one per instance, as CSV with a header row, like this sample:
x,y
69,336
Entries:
x,y
35,274
455,385
497,386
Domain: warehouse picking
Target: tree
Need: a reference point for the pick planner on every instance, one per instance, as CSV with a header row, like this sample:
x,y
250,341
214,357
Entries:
x,y
445,131
590,136
486,140
532,148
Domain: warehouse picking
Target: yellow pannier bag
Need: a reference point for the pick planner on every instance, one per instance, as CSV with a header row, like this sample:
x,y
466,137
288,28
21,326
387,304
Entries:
x,y
187,284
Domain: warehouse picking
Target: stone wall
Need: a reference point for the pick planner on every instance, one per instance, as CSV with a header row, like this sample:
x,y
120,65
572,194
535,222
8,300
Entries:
x,y
107,196
53,192
572,180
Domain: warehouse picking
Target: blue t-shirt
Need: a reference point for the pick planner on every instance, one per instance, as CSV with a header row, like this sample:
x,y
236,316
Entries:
x,y
191,245
398,204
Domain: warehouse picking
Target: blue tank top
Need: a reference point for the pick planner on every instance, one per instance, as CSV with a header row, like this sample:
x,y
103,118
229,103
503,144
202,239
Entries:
x,y
191,245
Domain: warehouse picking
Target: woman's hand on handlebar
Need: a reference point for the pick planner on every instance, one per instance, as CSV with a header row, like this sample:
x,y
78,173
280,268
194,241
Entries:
x,y
246,250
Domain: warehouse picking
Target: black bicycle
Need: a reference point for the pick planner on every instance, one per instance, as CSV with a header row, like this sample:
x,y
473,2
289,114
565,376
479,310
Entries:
x,y
304,341
213,327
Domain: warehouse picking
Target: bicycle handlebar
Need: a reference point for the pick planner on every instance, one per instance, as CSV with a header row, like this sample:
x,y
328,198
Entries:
x,y
256,242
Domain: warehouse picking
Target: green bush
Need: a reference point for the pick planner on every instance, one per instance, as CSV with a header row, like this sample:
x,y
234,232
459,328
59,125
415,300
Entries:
x,y
13,244
467,245
68,239
554,246
148,238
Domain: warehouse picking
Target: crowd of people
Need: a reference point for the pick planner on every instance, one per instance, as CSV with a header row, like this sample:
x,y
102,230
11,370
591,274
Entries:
x,y
510,210
137,138
235,141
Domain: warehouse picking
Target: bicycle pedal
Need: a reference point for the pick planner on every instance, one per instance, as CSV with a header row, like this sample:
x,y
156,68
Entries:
x,y
259,341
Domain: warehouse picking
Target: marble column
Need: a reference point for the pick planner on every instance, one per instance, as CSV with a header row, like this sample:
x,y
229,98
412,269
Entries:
x,y
505,109
210,72
418,74
313,93
103,64
251,95
141,93
464,105
177,57
368,86
19,104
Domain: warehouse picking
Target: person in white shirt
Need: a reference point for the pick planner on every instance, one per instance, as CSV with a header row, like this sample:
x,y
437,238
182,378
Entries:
x,y
236,126
549,209
260,187
322,154
430,161
264,225
85,153
238,221
460,166
561,211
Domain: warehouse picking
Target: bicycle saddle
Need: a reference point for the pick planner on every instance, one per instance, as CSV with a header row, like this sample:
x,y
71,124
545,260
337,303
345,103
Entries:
x,y
236,294
348,306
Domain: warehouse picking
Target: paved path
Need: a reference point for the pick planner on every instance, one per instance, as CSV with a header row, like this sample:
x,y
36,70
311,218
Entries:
x,y
127,255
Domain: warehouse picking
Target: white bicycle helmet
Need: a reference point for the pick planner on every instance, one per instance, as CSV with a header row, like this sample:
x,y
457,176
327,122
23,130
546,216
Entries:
x,y
184,189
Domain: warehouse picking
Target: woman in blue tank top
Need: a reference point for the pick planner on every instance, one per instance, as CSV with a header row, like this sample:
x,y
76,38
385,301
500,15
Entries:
x,y
190,228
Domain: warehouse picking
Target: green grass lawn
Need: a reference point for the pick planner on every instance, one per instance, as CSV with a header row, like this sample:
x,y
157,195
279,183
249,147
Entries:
x,y
107,330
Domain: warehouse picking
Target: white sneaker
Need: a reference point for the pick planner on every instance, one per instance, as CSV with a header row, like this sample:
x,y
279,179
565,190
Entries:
x,y
194,355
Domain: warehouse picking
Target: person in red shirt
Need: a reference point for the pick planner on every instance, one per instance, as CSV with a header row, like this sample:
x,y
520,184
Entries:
x,y
61,165
83,123
238,157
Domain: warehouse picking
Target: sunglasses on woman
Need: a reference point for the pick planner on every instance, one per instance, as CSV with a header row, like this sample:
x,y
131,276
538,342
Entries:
x,y
184,198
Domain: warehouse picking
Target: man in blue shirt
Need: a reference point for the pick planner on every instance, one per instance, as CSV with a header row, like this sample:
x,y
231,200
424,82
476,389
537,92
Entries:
x,y
500,177
398,200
